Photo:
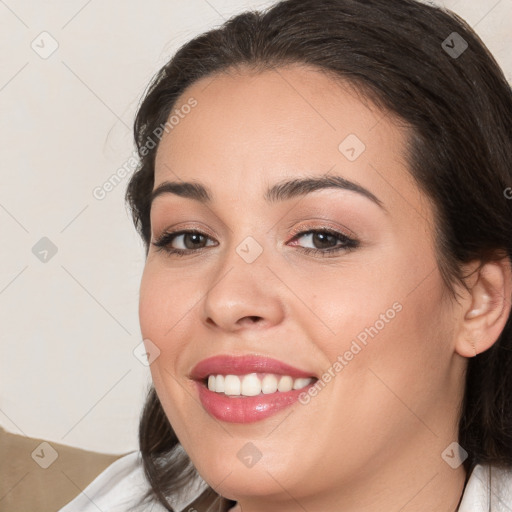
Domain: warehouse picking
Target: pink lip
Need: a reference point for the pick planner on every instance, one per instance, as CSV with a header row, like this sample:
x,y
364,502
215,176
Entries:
x,y
241,365
245,409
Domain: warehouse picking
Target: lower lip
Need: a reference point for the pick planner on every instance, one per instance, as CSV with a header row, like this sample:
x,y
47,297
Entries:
x,y
247,409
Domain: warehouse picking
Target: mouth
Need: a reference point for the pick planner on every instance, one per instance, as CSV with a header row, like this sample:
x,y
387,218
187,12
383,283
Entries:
x,y
244,389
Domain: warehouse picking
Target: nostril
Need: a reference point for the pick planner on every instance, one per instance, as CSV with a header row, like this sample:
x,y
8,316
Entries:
x,y
250,319
254,319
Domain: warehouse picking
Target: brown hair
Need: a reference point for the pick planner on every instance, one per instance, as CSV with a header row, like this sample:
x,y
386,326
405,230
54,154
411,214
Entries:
x,y
410,59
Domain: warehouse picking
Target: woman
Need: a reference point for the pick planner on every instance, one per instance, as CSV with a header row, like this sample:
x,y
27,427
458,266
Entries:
x,y
326,299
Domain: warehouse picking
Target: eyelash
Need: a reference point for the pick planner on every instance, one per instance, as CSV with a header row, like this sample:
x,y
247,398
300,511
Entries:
x,y
163,242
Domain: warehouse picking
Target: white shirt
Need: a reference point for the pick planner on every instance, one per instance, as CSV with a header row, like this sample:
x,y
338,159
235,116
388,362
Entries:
x,y
120,486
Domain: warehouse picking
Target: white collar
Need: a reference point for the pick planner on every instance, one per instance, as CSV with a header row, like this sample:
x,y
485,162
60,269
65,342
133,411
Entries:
x,y
117,489
489,489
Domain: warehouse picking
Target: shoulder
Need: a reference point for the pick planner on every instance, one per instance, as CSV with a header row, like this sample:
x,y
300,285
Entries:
x,y
120,488
121,484
489,488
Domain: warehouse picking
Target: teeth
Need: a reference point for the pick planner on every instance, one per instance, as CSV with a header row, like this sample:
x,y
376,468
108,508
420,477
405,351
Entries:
x,y
301,383
232,385
285,384
219,383
252,385
269,384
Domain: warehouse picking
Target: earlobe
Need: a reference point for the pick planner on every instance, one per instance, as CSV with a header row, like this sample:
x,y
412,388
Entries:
x,y
487,308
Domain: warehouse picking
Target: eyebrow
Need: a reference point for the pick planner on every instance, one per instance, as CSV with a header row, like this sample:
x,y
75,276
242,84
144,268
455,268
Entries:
x,y
281,191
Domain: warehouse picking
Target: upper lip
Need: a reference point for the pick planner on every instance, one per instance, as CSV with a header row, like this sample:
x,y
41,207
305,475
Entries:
x,y
242,365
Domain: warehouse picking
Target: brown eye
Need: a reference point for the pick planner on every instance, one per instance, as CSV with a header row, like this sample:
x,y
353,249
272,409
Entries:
x,y
325,241
182,242
192,240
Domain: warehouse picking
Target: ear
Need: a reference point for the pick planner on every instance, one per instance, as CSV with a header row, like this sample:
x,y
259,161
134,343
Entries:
x,y
486,308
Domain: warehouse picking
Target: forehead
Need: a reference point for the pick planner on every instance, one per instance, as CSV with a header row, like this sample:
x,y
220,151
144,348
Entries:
x,y
250,129
289,109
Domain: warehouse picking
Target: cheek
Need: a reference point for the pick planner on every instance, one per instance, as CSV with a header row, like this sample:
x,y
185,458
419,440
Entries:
x,y
356,302
389,316
406,359
161,305
151,301
166,305
163,320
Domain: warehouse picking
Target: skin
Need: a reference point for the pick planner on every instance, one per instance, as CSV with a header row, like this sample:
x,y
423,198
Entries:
x,y
372,439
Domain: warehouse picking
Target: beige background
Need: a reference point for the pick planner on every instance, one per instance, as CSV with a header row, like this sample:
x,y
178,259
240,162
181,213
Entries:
x,y
69,325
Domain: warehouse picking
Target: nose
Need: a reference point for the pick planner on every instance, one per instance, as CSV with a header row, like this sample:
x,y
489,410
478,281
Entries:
x,y
243,295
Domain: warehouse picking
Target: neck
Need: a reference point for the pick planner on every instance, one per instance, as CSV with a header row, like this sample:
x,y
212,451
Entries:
x,y
422,485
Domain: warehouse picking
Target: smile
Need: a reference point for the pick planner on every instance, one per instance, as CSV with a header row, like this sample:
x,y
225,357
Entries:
x,y
245,389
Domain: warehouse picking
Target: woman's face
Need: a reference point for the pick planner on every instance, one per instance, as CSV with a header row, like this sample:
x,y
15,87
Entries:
x,y
338,282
